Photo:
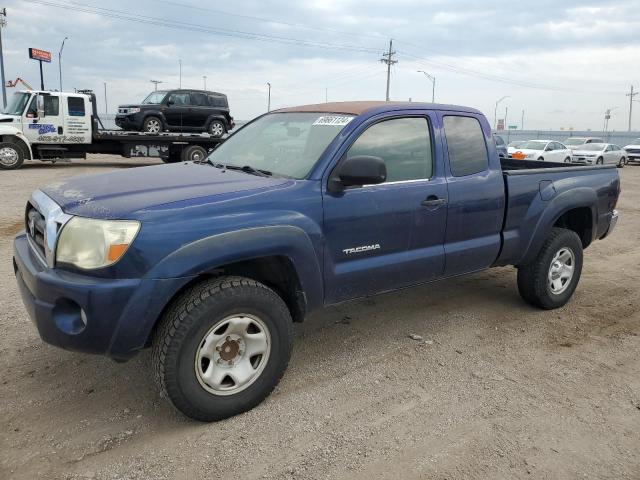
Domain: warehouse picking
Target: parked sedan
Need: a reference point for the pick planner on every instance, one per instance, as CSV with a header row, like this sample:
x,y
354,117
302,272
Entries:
x,y
542,150
600,154
633,151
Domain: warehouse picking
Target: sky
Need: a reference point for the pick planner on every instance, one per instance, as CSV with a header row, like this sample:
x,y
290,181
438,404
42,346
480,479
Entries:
x,y
563,63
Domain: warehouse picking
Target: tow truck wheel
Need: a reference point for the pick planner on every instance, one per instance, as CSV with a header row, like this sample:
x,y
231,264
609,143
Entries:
x,y
216,128
194,153
222,347
551,278
152,125
11,156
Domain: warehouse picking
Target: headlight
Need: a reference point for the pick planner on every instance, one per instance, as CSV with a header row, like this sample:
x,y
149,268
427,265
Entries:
x,y
134,110
89,243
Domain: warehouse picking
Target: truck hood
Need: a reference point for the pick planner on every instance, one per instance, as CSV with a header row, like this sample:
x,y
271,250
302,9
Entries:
x,y
118,195
9,118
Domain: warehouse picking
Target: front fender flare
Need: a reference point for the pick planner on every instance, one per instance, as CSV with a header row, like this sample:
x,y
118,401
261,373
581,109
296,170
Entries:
x,y
206,255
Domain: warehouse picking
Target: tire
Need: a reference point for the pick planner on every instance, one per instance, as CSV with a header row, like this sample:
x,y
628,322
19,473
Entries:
x,y
11,156
216,128
194,153
621,163
192,322
541,159
152,125
600,161
567,160
534,278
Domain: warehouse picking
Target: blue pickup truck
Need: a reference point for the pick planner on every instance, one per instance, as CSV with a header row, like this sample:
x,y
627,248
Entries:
x,y
209,263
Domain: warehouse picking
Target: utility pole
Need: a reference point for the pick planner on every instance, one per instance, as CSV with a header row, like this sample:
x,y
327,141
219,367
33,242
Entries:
x,y
180,65
522,121
60,60
269,98
326,95
106,107
630,95
433,85
495,112
3,23
155,84
388,59
506,110
204,78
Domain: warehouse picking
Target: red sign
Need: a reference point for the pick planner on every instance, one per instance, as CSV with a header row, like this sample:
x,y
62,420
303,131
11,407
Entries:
x,y
41,55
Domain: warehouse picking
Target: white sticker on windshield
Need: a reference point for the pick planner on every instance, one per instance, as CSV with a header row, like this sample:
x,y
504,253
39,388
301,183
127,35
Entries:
x,y
333,120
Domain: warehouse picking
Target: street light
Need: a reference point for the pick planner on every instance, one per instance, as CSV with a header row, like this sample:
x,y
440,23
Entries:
x,y
269,98
60,60
495,112
155,84
433,85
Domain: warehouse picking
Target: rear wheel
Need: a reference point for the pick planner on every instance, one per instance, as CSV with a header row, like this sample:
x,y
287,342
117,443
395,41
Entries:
x,y
216,128
152,125
11,156
222,347
551,278
194,153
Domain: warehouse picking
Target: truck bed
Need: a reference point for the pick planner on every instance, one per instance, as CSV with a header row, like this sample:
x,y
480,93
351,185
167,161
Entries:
x,y
512,166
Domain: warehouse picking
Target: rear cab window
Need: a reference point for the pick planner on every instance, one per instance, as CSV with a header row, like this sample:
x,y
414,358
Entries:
x,y
466,145
75,106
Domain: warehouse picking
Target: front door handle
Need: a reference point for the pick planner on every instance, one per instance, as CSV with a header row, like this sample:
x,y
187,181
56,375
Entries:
x,y
433,201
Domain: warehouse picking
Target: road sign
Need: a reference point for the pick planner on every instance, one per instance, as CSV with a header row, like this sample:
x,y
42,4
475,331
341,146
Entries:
x,y
42,55
500,124
513,127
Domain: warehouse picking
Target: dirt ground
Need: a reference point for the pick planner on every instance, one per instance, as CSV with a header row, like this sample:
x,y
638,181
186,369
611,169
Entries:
x,y
496,389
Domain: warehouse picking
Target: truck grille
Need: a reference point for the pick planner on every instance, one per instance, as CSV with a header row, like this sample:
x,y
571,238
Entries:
x,y
36,226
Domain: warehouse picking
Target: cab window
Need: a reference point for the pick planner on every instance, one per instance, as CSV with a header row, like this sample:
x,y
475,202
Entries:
x,y
466,145
179,99
76,106
404,144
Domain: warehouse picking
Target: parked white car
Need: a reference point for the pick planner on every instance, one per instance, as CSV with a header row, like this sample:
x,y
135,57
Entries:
x,y
576,142
543,150
633,151
600,154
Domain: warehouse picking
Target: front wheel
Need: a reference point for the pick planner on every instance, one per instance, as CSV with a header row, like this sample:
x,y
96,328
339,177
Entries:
x,y
567,160
222,348
11,156
600,161
152,125
551,278
622,163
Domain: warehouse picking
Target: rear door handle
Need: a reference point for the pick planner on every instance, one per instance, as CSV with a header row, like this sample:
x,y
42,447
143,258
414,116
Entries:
x,y
433,201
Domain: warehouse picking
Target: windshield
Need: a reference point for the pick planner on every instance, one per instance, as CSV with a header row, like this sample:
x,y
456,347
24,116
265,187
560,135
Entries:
x,y
533,145
286,144
154,97
17,103
515,144
596,147
574,141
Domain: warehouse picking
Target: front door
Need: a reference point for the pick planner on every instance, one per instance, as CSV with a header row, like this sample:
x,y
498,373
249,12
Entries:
x,y
46,126
386,236
178,110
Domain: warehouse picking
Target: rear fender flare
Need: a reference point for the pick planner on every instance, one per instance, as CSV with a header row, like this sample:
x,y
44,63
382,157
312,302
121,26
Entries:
x,y
558,206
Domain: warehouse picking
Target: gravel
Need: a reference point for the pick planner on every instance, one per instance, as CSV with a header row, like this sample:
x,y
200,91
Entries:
x,y
497,390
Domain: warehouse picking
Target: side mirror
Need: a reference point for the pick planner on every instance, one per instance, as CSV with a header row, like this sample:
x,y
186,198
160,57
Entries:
x,y
362,170
170,102
40,105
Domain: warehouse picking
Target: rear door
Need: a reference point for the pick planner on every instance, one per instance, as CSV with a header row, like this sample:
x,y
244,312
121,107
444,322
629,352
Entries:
x,y
476,194
386,236
200,109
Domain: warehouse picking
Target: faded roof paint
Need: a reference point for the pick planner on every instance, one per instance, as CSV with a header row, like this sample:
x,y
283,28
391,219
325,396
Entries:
x,y
357,108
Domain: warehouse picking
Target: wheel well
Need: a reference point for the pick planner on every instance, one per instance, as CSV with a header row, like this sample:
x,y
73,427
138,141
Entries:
x,y
580,221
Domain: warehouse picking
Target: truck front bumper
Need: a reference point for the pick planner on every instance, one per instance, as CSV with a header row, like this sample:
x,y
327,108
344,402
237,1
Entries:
x,y
113,317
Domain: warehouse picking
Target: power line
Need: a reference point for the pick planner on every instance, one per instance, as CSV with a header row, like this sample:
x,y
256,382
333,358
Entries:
x,y
122,15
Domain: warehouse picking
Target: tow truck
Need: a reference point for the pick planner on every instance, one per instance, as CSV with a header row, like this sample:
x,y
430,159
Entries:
x,y
53,126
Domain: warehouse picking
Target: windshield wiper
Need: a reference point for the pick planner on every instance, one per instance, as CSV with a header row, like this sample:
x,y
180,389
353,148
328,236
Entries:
x,y
246,168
